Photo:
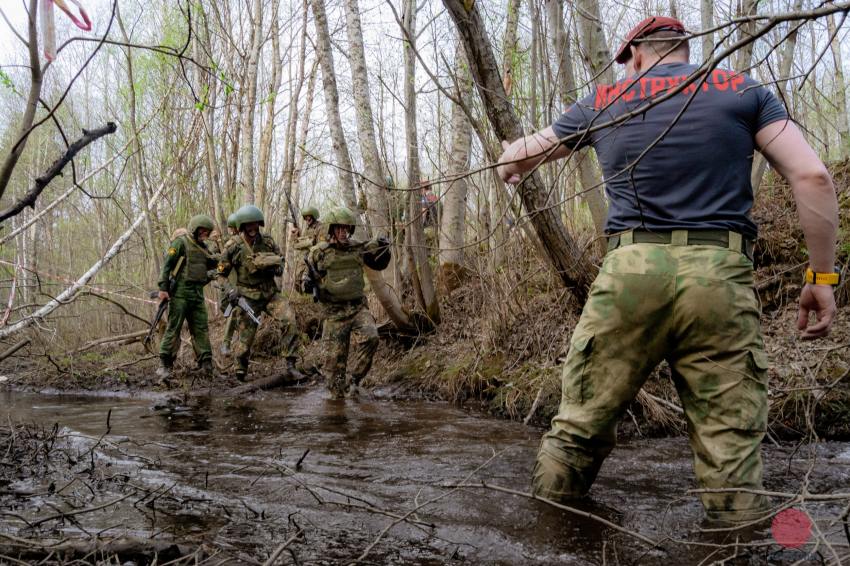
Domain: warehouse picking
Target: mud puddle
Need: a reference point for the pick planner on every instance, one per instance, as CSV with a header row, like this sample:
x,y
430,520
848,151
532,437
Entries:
x,y
326,482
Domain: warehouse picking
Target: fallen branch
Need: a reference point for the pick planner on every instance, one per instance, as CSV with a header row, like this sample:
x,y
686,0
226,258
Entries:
x,y
281,548
71,292
124,547
14,349
280,380
133,362
573,510
56,169
111,339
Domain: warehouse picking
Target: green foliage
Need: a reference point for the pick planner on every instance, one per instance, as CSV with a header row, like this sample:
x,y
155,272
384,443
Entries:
x,y
6,81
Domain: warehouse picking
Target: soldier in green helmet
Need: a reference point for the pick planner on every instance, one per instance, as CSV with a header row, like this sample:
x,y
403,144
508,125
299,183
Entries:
x,y
313,233
337,271
230,326
256,259
187,264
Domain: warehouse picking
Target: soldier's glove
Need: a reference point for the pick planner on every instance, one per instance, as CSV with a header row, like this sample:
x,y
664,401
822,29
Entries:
x,y
212,274
233,296
383,242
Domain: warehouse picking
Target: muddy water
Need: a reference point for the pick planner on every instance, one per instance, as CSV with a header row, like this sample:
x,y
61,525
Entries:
x,y
229,471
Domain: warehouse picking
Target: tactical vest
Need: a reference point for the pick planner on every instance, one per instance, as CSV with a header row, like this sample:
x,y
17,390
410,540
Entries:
x,y
197,258
343,280
250,276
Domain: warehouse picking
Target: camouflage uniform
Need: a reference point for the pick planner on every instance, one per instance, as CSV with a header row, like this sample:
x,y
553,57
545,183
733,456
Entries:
x,y
230,325
258,286
346,315
187,302
310,236
694,306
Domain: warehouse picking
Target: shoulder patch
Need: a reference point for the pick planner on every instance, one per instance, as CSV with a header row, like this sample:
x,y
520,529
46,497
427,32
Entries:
x,y
172,250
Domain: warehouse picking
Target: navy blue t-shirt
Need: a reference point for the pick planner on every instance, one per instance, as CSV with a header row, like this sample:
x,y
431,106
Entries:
x,y
698,175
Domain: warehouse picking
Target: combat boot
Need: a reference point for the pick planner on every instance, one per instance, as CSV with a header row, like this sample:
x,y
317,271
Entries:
x,y
164,373
294,373
208,368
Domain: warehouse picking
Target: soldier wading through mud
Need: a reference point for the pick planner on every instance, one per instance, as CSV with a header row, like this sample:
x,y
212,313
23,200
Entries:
x,y
185,272
257,260
677,282
336,270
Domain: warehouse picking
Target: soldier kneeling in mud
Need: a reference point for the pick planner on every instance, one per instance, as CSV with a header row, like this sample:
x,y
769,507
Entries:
x,y
336,270
185,272
257,259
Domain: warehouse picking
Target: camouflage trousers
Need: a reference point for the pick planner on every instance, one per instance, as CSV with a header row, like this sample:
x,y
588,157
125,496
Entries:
x,y
281,313
343,325
230,326
695,307
190,308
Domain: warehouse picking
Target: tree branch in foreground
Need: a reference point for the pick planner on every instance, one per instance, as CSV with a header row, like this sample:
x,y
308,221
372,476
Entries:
x,y
56,169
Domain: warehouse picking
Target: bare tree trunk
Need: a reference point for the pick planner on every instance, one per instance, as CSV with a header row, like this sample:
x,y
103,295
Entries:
x,y
453,223
138,153
591,179
706,13
32,101
784,88
266,139
208,105
595,53
249,106
509,45
378,211
303,130
344,168
840,96
292,126
744,58
421,271
567,259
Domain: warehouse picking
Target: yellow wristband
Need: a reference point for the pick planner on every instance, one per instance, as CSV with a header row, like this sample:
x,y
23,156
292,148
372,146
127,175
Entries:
x,y
822,278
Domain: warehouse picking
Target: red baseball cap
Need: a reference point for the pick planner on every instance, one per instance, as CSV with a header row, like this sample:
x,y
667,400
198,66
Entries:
x,y
646,27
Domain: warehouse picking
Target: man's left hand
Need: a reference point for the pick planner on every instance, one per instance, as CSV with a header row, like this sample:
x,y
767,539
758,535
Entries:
x,y
818,299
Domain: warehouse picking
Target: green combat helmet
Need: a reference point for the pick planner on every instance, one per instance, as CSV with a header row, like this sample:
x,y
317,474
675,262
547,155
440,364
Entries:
x,y
339,215
310,211
231,221
247,214
200,221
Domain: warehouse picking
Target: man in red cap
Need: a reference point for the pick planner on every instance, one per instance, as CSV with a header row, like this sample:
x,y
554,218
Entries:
x,y
676,148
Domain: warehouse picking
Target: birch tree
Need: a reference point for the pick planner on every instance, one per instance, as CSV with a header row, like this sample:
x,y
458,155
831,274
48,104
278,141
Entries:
x,y
453,225
421,269
378,210
324,52
248,106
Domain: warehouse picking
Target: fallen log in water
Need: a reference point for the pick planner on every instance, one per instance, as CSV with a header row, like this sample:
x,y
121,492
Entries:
x,y
124,548
280,380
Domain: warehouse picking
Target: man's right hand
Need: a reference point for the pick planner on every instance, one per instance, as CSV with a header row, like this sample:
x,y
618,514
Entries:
x,y
163,296
820,300
502,170
294,232
233,296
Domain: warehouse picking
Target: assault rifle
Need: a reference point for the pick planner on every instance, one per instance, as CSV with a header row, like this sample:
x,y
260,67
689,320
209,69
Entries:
x,y
292,211
163,304
313,280
246,308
